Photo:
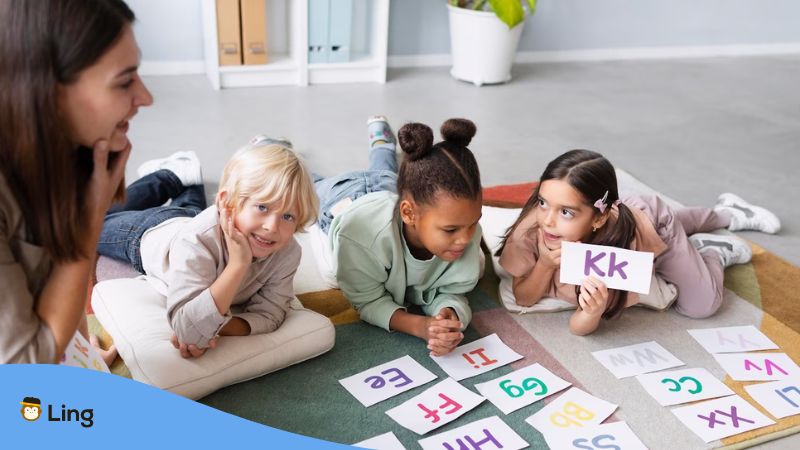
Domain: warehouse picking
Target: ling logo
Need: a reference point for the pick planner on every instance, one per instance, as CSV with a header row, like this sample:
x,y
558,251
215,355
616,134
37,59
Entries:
x,y
31,408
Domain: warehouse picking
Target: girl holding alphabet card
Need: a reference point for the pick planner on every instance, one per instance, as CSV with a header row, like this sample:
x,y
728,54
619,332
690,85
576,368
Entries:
x,y
577,200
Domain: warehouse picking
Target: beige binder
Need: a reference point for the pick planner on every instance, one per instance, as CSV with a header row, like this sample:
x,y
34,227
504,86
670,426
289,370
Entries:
x,y
229,36
254,31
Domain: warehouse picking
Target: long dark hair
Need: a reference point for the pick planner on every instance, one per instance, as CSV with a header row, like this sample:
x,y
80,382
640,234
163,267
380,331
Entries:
x,y
592,176
448,167
45,44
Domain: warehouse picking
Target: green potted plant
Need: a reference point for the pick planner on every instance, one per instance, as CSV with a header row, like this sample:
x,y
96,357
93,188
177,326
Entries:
x,y
484,35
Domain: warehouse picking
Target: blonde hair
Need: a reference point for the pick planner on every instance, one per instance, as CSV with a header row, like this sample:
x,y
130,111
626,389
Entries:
x,y
272,174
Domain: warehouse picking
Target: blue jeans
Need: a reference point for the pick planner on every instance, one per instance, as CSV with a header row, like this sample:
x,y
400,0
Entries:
x,y
381,175
125,225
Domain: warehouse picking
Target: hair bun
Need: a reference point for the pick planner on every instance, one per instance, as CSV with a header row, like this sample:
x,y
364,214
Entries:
x,y
416,140
458,131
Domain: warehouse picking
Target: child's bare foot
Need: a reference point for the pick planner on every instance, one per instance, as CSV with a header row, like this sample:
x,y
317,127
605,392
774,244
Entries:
x,y
108,355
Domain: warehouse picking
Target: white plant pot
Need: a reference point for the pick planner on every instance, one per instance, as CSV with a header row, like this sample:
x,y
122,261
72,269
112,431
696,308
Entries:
x,y
482,46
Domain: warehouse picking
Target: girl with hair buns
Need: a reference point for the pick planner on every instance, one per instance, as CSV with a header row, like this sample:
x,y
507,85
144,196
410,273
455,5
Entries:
x,y
409,239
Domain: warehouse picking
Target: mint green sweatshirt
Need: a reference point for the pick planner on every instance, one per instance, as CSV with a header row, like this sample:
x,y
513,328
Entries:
x,y
378,274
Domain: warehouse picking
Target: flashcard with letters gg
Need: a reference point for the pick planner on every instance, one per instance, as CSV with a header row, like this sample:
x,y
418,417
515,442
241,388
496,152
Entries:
x,y
636,359
618,268
477,357
723,417
683,386
521,388
758,366
574,409
488,433
779,398
732,339
387,380
438,405
385,441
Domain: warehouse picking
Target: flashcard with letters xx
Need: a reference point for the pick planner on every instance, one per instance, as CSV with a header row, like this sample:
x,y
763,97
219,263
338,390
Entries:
x,y
720,418
387,380
477,357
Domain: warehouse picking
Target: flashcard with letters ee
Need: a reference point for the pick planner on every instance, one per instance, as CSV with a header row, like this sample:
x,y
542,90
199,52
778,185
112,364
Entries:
x,y
387,380
615,435
488,433
683,386
732,339
618,268
80,353
779,398
758,366
521,388
440,404
720,418
572,410
477,357
636,359
385,441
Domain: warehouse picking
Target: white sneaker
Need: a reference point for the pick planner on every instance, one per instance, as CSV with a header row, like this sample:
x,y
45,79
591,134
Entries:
x,y
731,249
263,139
185,165
745,216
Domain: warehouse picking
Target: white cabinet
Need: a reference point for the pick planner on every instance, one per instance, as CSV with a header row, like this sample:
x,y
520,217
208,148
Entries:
x,y
287,42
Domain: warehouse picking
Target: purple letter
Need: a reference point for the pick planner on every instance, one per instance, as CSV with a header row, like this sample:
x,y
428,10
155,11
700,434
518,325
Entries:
x,y
590,263
616,267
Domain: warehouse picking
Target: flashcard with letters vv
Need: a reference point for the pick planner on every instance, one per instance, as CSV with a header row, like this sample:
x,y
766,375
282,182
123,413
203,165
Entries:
x,y
387,380
477,357
758,366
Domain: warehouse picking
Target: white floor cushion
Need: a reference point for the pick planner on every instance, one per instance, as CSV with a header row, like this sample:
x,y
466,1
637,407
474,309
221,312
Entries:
x,y
134,314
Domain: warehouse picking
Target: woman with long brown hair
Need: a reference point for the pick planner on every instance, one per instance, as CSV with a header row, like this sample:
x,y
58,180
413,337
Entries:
x,y
68,88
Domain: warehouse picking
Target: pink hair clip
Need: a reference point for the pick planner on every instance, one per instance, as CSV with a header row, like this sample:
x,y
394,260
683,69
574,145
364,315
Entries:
x,y
601,203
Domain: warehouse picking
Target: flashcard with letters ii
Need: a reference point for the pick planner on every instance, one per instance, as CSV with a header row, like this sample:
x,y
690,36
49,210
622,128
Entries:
x,y
521,388
732,339
385,441
619,268
387,380
720,418
477,357
779,398
484,434
636,359
440,404
758,366
683,386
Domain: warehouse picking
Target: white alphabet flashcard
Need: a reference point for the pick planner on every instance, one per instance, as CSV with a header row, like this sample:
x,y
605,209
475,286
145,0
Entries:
x,y
488,433
521,388
387,380
720,418
683,386
779,398
618,268
477,357
732,339
636,359
614,435
440,404
385,441
758,366
80,353
574,409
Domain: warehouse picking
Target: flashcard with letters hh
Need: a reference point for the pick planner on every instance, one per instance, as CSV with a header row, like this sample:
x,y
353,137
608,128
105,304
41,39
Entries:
x,y
615,435
385,441
779,398
521,388
732,339
723,417
683,386
574,409
758,366
636,359
80,353
477,357
488,433
440,404
387,380
619,268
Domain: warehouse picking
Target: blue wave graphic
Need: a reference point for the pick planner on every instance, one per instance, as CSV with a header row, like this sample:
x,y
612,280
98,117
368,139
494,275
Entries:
x,y
87,409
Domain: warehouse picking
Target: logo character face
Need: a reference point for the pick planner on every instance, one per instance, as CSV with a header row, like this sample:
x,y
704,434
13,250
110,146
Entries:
x,y
31,408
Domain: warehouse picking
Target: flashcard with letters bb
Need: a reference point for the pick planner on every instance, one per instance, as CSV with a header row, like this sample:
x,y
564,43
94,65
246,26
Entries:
x,y
720,418
572,410
488,433
385,441
732,339
615,435
477,357
683,386
636,359
521,388
779,398
619,268
758,366
440,404
80,353
387,380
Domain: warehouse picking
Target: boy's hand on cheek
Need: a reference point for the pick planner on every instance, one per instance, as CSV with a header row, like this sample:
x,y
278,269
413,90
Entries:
x,y
239,251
